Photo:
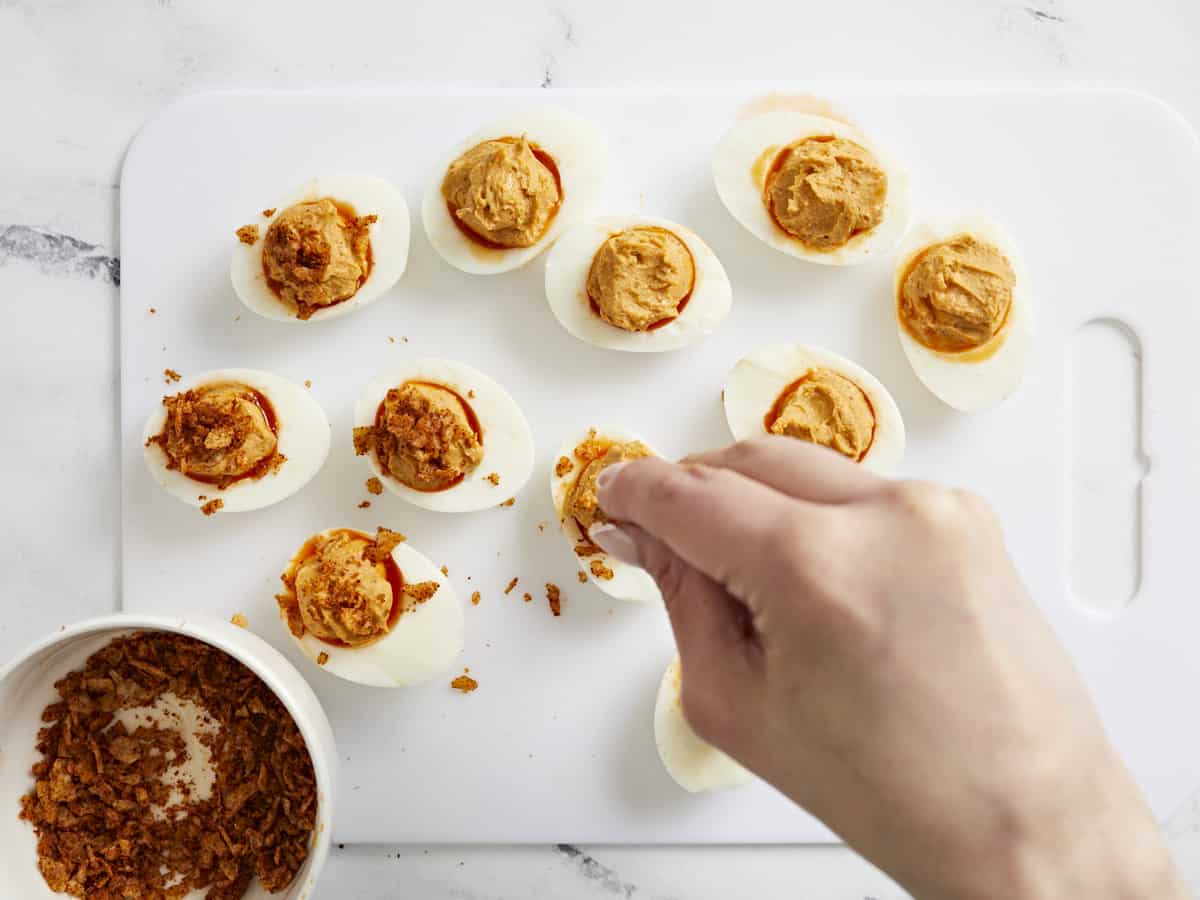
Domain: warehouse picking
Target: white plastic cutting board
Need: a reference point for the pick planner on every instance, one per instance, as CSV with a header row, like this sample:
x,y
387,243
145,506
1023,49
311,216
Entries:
x,y
1100,188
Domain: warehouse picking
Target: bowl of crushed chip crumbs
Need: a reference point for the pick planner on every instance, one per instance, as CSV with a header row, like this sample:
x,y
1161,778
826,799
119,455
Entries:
x,y
161,757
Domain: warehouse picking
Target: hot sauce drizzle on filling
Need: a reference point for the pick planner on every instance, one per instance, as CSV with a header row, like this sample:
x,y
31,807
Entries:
x,y
290,602
193,429
468,413
683,301
316,258
550,165
777,409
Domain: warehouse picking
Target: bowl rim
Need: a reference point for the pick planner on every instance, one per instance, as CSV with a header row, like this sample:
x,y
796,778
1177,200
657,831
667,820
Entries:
x,y
214,631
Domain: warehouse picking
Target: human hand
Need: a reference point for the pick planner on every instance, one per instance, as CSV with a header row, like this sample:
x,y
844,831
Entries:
x,y
866,646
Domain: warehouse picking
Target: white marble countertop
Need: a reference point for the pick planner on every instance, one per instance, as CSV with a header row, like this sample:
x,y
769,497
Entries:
x,y
78,78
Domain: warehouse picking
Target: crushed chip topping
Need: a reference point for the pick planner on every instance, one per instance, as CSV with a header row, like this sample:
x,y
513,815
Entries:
x,y
110,821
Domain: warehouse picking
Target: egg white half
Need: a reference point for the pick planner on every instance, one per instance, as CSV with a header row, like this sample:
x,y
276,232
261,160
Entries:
x,y
303,438
568,265
756,382
629,583
421,645
579,151
368,195
694,764
740,170
971,380
507,438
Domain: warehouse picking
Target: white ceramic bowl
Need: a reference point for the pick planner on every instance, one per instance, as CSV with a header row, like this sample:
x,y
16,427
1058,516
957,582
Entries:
x,y
27,686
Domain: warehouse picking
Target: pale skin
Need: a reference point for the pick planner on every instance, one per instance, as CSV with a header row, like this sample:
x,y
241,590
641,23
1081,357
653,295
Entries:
x,y
867,646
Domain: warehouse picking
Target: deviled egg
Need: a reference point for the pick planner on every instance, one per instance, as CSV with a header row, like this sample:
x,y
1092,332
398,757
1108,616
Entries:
x,y
573,492
335,245
235,440
443,436
695,764
503,194
817,396
813,187
371,609
963,312
636,283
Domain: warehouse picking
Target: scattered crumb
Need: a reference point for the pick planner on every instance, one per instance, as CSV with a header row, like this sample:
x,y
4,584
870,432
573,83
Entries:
x,y
385,542
236,318
153,310
470,393
212,506
391,340
366,504
563,466
541,527
586,548
240,620
267,213
582,576
374,486
509,502
512,584
445,571
307,383
600,570
322,658
202,497
248,234
418,593
528,598
493,478
554,596
464,683
475,598
170,375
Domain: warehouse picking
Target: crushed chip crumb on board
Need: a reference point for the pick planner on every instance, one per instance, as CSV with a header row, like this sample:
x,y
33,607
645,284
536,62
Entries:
x,y
365,504
374,486
509,502
600,570
582,576
492,478
563,466
267,213
446,571
528,598
240,620
554,597
322,658
512,584
170,375
308,382
248,234
475,598
464,683
212,506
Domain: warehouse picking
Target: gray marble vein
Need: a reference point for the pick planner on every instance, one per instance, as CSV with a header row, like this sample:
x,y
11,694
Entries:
x,y
58,254
596,872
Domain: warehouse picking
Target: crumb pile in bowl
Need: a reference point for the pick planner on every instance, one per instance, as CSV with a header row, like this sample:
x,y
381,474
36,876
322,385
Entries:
x,y
125,805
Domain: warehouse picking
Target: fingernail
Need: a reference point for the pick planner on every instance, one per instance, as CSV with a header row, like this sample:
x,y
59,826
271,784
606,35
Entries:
x,y
614,541
608,474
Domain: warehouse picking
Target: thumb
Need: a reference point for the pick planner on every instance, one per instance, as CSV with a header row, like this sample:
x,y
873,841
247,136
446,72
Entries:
x,y
718,646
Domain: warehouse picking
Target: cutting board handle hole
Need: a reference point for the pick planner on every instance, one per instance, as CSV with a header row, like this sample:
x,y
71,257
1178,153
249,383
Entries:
x,y
1106,463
